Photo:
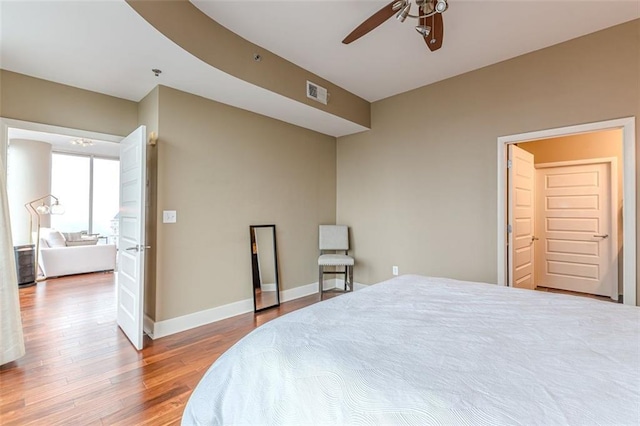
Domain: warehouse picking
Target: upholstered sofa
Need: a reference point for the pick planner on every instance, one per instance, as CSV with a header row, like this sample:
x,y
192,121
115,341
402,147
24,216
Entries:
x,y
58,257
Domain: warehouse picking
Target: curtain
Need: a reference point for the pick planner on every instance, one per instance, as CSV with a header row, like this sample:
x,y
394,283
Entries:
x,y
11,339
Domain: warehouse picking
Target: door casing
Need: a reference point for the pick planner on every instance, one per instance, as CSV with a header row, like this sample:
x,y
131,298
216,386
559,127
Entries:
x,y
627,125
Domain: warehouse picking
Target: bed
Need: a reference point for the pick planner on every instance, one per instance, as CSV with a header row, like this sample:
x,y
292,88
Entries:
x,y
419,350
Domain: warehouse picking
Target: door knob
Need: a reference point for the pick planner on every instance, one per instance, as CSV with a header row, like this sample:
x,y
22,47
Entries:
x,y
138,247
534,238
602,236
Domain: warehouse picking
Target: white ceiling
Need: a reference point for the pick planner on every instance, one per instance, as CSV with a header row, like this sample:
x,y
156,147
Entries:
x,y
62,143
393,58
105,46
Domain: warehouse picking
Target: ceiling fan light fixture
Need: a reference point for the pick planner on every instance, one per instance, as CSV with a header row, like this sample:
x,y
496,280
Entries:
x,y
423,29
81,142
397,5
441,6
402,15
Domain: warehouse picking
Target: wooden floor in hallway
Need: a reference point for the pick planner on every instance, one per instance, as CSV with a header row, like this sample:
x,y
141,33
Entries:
x,y
575,293
79,368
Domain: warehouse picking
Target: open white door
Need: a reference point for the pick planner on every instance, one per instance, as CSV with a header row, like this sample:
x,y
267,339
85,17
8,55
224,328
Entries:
x,y
521,218
131,241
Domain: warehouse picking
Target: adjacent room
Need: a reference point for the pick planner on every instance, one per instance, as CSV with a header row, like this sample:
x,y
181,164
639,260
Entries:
x,y
260,212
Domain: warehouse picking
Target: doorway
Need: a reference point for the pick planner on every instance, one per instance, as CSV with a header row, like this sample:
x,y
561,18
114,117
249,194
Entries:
x,y
44,164
131,150
626,127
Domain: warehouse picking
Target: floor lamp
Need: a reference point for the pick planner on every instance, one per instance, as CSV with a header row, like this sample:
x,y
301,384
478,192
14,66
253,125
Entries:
x,y
45,207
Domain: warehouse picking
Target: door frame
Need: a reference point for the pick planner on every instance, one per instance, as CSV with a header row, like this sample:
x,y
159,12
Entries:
x,y
612,162
627,125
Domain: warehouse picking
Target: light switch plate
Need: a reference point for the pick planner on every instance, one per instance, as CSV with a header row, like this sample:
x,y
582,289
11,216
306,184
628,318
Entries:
x,y
169,216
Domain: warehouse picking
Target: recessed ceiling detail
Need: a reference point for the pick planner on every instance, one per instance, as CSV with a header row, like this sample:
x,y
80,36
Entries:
x,y
194,31
388,61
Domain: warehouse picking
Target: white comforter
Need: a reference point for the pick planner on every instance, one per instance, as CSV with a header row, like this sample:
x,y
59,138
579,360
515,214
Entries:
x,y
416,350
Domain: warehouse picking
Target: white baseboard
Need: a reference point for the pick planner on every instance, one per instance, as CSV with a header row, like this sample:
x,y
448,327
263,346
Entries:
x,y
358,286
196,319
148,325
298,292
268,287
159,329
339,284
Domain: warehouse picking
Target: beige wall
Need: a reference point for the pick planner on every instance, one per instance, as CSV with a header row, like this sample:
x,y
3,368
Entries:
x,y
419,188
606,144
223,169
40,101
148,115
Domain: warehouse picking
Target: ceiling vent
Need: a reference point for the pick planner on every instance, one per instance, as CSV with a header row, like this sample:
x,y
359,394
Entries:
x,y
316,92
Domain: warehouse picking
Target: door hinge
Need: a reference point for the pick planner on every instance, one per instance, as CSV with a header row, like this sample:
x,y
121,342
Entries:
x,y
509,229
509,164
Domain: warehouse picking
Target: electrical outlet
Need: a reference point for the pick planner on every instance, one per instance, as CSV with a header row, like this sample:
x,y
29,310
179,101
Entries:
x,y
394,270
169,216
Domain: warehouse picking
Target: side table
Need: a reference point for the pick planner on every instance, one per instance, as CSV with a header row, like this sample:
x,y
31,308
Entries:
x,y
25,264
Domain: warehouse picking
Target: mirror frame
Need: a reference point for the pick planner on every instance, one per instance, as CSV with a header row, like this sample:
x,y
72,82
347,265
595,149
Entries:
x,y
253,267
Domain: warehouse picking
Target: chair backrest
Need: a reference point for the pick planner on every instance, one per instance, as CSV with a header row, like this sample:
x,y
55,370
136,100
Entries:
x,y
334,237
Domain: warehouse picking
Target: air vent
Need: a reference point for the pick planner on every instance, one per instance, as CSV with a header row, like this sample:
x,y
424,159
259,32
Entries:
x,y
316,92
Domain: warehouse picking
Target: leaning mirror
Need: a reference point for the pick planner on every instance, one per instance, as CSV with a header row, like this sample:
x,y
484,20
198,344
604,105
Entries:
x,y
264,263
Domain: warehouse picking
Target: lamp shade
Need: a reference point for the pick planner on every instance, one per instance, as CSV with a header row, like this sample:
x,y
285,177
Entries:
x,y
43,209
57,208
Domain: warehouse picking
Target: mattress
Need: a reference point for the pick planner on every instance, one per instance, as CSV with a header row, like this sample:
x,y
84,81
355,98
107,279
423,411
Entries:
x,y
420,350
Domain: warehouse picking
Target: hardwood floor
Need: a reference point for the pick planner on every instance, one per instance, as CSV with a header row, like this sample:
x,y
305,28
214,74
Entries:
x,y
79,368
575,293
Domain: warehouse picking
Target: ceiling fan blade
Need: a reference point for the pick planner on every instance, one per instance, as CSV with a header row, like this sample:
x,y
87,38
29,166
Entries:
x,y
434,39
375,20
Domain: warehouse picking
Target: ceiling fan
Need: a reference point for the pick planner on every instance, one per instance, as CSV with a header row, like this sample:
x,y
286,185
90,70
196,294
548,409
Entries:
x,y
430,25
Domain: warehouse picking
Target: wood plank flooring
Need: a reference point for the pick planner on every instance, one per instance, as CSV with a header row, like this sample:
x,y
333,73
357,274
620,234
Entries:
x,y
79,368
575,293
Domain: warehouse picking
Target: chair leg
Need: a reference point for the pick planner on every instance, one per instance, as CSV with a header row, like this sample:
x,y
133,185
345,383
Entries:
x,y
320,279
346,272
351,278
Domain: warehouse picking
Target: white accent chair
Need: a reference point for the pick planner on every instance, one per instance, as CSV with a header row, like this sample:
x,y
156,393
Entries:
x,y
335,238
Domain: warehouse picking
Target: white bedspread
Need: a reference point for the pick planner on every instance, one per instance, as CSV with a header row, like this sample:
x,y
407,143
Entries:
x,y
417,350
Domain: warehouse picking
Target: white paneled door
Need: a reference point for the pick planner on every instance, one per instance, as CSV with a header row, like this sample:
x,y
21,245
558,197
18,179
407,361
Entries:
x,y
521,218
131,241
576,229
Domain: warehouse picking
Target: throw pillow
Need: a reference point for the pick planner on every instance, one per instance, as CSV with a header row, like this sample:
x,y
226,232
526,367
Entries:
x,y
56,239
72,236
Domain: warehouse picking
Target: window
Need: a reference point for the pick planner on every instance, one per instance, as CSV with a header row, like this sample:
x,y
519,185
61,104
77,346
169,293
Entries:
x,y
106,196
88,187
70,182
